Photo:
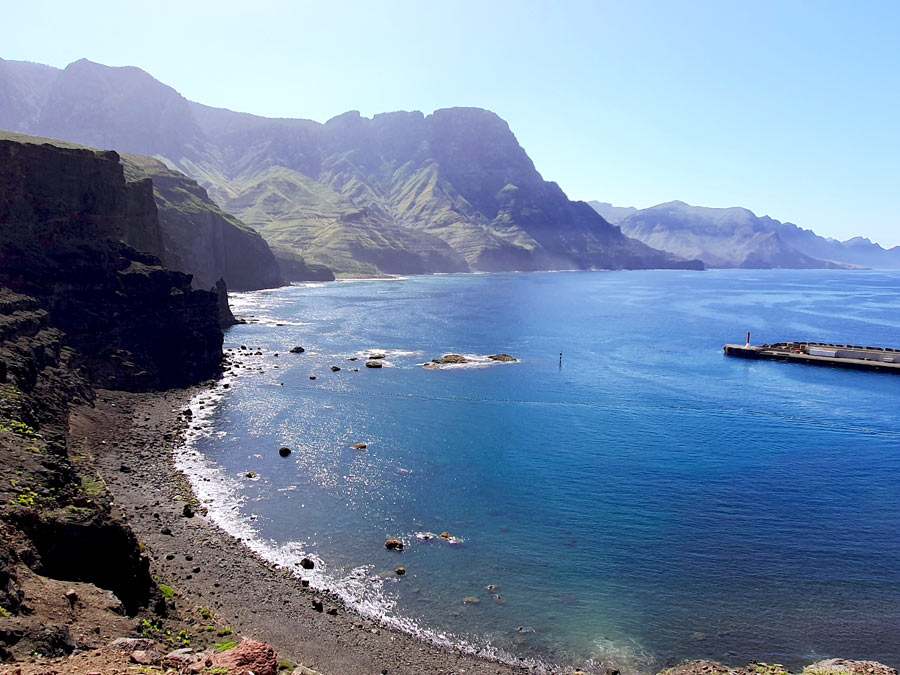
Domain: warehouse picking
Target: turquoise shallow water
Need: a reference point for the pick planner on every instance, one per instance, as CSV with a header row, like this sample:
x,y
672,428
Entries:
x,y
647,501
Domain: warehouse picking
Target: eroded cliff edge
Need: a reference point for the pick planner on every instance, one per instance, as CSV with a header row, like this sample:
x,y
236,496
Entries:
x,y
79,310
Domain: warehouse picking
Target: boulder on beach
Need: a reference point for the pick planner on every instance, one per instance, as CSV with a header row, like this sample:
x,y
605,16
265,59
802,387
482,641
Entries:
x,y
295,350
373,364
451,358
393,545
249,656
505,358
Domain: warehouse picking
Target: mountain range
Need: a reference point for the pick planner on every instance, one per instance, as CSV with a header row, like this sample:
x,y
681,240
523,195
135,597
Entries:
x,y
736,237
401,192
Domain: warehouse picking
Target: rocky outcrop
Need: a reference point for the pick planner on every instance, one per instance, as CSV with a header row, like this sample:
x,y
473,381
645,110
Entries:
x,y
226,317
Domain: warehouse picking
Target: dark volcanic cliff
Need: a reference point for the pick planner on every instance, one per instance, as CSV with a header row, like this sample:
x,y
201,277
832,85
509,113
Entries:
x,y
399,193
132,323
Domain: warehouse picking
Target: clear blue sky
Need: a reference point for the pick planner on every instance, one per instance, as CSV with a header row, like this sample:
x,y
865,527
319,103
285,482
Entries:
x,y
790,108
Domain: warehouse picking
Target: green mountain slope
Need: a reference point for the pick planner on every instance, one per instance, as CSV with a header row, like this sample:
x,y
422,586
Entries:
x,y
399,193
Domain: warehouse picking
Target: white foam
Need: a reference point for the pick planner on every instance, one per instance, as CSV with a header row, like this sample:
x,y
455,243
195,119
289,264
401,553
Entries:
x,y
358,588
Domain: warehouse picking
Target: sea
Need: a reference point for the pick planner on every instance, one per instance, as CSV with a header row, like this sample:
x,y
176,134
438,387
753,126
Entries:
x,y
623,495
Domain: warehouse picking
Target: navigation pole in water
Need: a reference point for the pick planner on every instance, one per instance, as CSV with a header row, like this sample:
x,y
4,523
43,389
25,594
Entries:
x,y
560,359
748,338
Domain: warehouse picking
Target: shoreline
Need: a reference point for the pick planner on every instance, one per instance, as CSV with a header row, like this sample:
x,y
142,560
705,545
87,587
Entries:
x,y
211,570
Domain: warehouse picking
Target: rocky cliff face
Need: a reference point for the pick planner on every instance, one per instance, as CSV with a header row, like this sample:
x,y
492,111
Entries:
x,y
133,323
79,309
398,193
199,238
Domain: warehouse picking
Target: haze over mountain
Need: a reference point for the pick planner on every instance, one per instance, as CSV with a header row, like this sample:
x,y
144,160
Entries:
x,y
736,237
399,193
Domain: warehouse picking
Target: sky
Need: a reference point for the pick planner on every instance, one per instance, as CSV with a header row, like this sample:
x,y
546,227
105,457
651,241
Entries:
x,y
790,108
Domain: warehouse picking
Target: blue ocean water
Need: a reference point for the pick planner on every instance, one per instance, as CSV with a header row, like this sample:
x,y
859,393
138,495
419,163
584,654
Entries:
x,y
643,501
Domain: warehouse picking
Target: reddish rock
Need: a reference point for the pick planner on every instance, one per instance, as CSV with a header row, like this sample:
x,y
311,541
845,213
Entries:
x,y
149,657
248,657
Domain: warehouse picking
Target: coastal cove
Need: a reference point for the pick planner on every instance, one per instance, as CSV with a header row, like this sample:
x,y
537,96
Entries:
x,y
639,501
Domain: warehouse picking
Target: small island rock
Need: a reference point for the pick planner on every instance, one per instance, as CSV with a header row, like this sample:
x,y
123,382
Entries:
x,y
451,358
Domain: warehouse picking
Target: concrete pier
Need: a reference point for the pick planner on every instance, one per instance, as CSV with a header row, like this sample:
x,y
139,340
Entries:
x,y
822,354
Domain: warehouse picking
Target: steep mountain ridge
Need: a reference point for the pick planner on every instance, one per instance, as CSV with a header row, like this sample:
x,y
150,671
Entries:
x,y
401,192
736,237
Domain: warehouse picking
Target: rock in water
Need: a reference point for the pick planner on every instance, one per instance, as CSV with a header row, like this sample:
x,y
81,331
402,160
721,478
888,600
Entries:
x,y
360,446
373,364
335,369
226,318
505,358
307,564
451,358
284,452
393,545
297,350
